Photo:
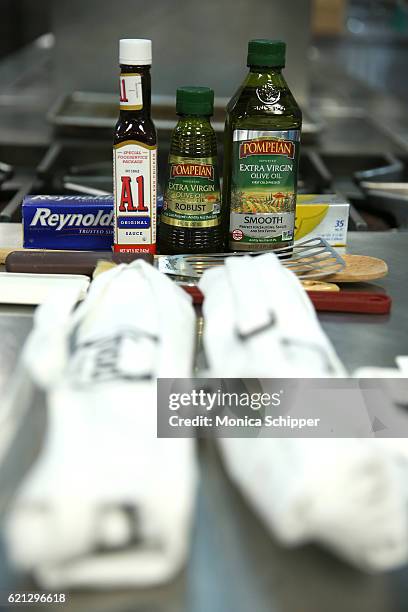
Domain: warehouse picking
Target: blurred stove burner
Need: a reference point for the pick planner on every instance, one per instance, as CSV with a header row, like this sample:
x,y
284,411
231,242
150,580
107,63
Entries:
x,y
6,172
85,189
386,191
92,179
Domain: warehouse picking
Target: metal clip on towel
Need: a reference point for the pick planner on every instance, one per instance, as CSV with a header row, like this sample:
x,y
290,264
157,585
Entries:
x,y
243,336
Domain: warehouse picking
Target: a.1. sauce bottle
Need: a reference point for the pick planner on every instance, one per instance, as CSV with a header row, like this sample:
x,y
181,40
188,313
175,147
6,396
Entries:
x,y
135,153
261,154
191,217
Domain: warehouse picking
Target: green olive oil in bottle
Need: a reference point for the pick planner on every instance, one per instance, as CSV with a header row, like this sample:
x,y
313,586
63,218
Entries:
x,y
262,140
191,217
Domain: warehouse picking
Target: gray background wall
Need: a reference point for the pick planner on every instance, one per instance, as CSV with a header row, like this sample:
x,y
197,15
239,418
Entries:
x,y
195,42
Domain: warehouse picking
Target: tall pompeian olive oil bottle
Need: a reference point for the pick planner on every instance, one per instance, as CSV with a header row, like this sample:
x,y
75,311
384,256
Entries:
x,y
191,217
262,139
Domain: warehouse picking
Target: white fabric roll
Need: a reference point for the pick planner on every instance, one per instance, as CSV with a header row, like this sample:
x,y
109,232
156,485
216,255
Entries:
x,y
347,494
248,294
108,504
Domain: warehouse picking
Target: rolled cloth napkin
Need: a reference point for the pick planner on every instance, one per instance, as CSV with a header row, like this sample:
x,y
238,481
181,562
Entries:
x,y
347,494
108,504
259,322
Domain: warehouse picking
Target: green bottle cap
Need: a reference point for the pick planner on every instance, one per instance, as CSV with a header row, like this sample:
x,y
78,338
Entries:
x,y
195,101
263,52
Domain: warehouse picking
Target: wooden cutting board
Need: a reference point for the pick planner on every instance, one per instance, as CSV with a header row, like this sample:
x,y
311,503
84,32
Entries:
x,y
11,239
315,285
360,269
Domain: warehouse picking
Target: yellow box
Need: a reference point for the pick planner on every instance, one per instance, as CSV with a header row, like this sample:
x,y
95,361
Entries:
x,y
325,216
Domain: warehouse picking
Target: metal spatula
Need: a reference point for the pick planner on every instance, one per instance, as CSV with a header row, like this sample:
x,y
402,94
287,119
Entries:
x,y
313,258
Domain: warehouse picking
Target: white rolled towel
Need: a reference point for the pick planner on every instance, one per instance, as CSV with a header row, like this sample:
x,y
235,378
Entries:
x,y
347,494
260,322
108,504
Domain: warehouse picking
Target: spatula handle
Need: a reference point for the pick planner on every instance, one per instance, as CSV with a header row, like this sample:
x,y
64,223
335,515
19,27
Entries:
x,y
351,301
327,301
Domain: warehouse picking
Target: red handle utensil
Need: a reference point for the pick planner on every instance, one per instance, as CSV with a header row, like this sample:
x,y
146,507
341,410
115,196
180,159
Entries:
x,y
331,301
351,301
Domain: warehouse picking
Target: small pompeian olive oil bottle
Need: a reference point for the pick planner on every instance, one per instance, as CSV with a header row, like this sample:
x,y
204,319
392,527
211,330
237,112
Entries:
x,y
262,140
191,217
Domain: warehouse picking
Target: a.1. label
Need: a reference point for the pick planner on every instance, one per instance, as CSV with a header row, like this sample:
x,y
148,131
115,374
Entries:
x,y
134,178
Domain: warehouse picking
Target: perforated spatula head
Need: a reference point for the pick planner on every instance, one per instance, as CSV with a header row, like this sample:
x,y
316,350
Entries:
x,y
310,259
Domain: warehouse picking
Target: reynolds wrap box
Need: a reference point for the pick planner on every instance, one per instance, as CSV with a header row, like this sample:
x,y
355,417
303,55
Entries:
x,y
324,215
68,222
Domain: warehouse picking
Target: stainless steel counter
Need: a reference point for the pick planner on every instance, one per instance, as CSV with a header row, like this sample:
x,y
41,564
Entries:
x,y
375,340
234,563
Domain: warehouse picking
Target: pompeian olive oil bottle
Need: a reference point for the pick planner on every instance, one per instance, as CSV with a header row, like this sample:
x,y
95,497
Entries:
x,y
262,139
191,217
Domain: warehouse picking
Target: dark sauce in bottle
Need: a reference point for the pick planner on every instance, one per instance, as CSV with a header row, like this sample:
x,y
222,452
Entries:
x,y
135,153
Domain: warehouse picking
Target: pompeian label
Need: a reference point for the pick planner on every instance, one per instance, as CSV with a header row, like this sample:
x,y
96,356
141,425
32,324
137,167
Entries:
x,y
200,170
134,183
263,188
192,197
130,89
267,147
